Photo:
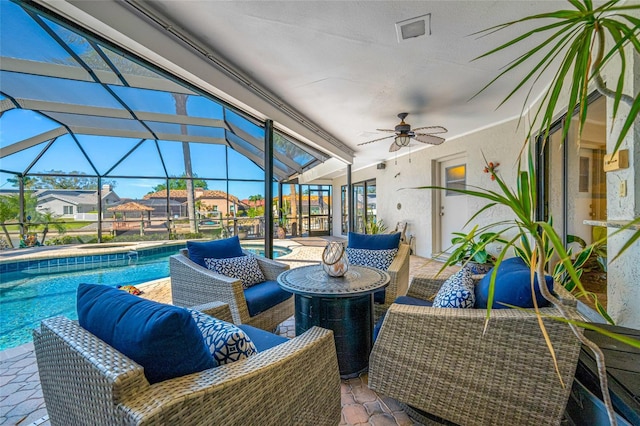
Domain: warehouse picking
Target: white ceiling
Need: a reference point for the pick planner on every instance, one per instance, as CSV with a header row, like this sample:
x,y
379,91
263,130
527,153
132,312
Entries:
x,y
339,63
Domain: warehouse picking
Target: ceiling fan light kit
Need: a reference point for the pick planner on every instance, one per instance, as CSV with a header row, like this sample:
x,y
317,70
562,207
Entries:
x,y
404,134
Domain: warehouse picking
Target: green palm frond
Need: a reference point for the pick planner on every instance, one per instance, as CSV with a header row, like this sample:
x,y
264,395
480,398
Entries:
x,y
575,38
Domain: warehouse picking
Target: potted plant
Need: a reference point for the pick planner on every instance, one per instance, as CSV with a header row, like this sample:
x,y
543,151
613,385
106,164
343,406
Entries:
x,y
283,221
471,250
573,43
375,226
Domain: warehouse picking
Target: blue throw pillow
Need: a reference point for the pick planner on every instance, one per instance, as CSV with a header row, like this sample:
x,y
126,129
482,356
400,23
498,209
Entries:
x,y
226,342
163,339
216,249
456,291
380,259
244,268
374,241
512,286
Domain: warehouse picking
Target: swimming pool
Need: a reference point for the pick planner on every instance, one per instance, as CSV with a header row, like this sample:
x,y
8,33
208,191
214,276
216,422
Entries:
x,y
31,295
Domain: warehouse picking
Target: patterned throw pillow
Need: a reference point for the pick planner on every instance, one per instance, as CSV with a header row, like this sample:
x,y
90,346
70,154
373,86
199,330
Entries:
x,y
244,268
226,342
380,259
456,292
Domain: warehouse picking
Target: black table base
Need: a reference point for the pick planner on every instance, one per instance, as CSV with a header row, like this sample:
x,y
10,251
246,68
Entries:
x,y
351,320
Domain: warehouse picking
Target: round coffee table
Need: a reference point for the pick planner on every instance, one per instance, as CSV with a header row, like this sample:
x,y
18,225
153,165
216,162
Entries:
x,y
342,304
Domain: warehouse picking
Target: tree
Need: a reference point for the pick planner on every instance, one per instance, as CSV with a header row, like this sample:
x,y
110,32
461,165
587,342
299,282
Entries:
x,y
179,184
47,218
60,182
290,151
9,211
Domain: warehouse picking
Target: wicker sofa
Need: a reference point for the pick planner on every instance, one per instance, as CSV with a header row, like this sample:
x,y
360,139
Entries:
x,y
85,381
192,284
439,361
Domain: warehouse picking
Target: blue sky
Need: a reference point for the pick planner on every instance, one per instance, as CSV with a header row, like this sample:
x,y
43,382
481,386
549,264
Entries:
x,y
79,89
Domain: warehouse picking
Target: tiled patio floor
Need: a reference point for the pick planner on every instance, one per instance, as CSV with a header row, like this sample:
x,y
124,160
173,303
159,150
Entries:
x,y
21,401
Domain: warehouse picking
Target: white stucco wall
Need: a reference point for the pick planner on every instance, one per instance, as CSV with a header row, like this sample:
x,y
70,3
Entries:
x,y
623,275
397,182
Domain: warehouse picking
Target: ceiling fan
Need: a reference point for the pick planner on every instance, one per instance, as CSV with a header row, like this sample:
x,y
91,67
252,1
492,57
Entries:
x,y
404,134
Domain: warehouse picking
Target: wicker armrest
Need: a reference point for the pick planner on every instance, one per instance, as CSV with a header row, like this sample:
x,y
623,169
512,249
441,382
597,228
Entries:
x,y
193,285
75,367
217,310
424,286
258,386
399,274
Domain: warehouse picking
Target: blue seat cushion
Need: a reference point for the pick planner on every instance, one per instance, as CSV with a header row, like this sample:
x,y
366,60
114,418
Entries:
x,y
216,249
402,300
414,301
379,296
512,287
374,241
263,296
163,339
263,340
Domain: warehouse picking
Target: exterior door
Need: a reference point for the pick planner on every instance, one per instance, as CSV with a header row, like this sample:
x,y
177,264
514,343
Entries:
x,y
452,206
319,211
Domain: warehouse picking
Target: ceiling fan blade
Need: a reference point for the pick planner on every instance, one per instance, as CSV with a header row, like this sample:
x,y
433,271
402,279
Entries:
x,y
433,140
385,130
433,129
394,147
376,140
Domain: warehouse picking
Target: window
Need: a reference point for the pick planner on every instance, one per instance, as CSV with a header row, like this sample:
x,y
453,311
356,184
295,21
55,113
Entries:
x,y
365,205
455,178
67,209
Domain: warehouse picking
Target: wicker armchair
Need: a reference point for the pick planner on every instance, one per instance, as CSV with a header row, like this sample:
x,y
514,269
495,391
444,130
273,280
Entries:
x,y
438,361
87,382
399,280
192,284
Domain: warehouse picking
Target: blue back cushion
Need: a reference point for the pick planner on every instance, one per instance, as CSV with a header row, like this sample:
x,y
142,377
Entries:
x,y
163,339
374,241
513,286
216,249
263,296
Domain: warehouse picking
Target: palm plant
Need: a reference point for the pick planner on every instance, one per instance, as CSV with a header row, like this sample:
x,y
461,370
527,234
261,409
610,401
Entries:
x,y
578,43
576,48
542,241
47,218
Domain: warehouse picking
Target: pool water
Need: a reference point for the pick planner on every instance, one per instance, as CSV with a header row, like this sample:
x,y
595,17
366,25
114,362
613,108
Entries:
x,y
27,298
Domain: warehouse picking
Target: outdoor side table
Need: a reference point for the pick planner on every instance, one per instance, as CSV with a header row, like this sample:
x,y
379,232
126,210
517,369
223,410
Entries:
x,y
342,304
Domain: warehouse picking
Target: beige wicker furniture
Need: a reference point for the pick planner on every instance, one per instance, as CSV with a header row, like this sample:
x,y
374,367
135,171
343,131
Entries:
x,y
87,382
399,273
439,361
192,284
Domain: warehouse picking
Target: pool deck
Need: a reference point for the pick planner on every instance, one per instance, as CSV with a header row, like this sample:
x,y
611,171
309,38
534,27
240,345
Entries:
x,y
21,400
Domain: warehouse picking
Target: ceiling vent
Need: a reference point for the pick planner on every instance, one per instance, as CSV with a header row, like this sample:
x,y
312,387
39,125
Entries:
x,y
414,27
